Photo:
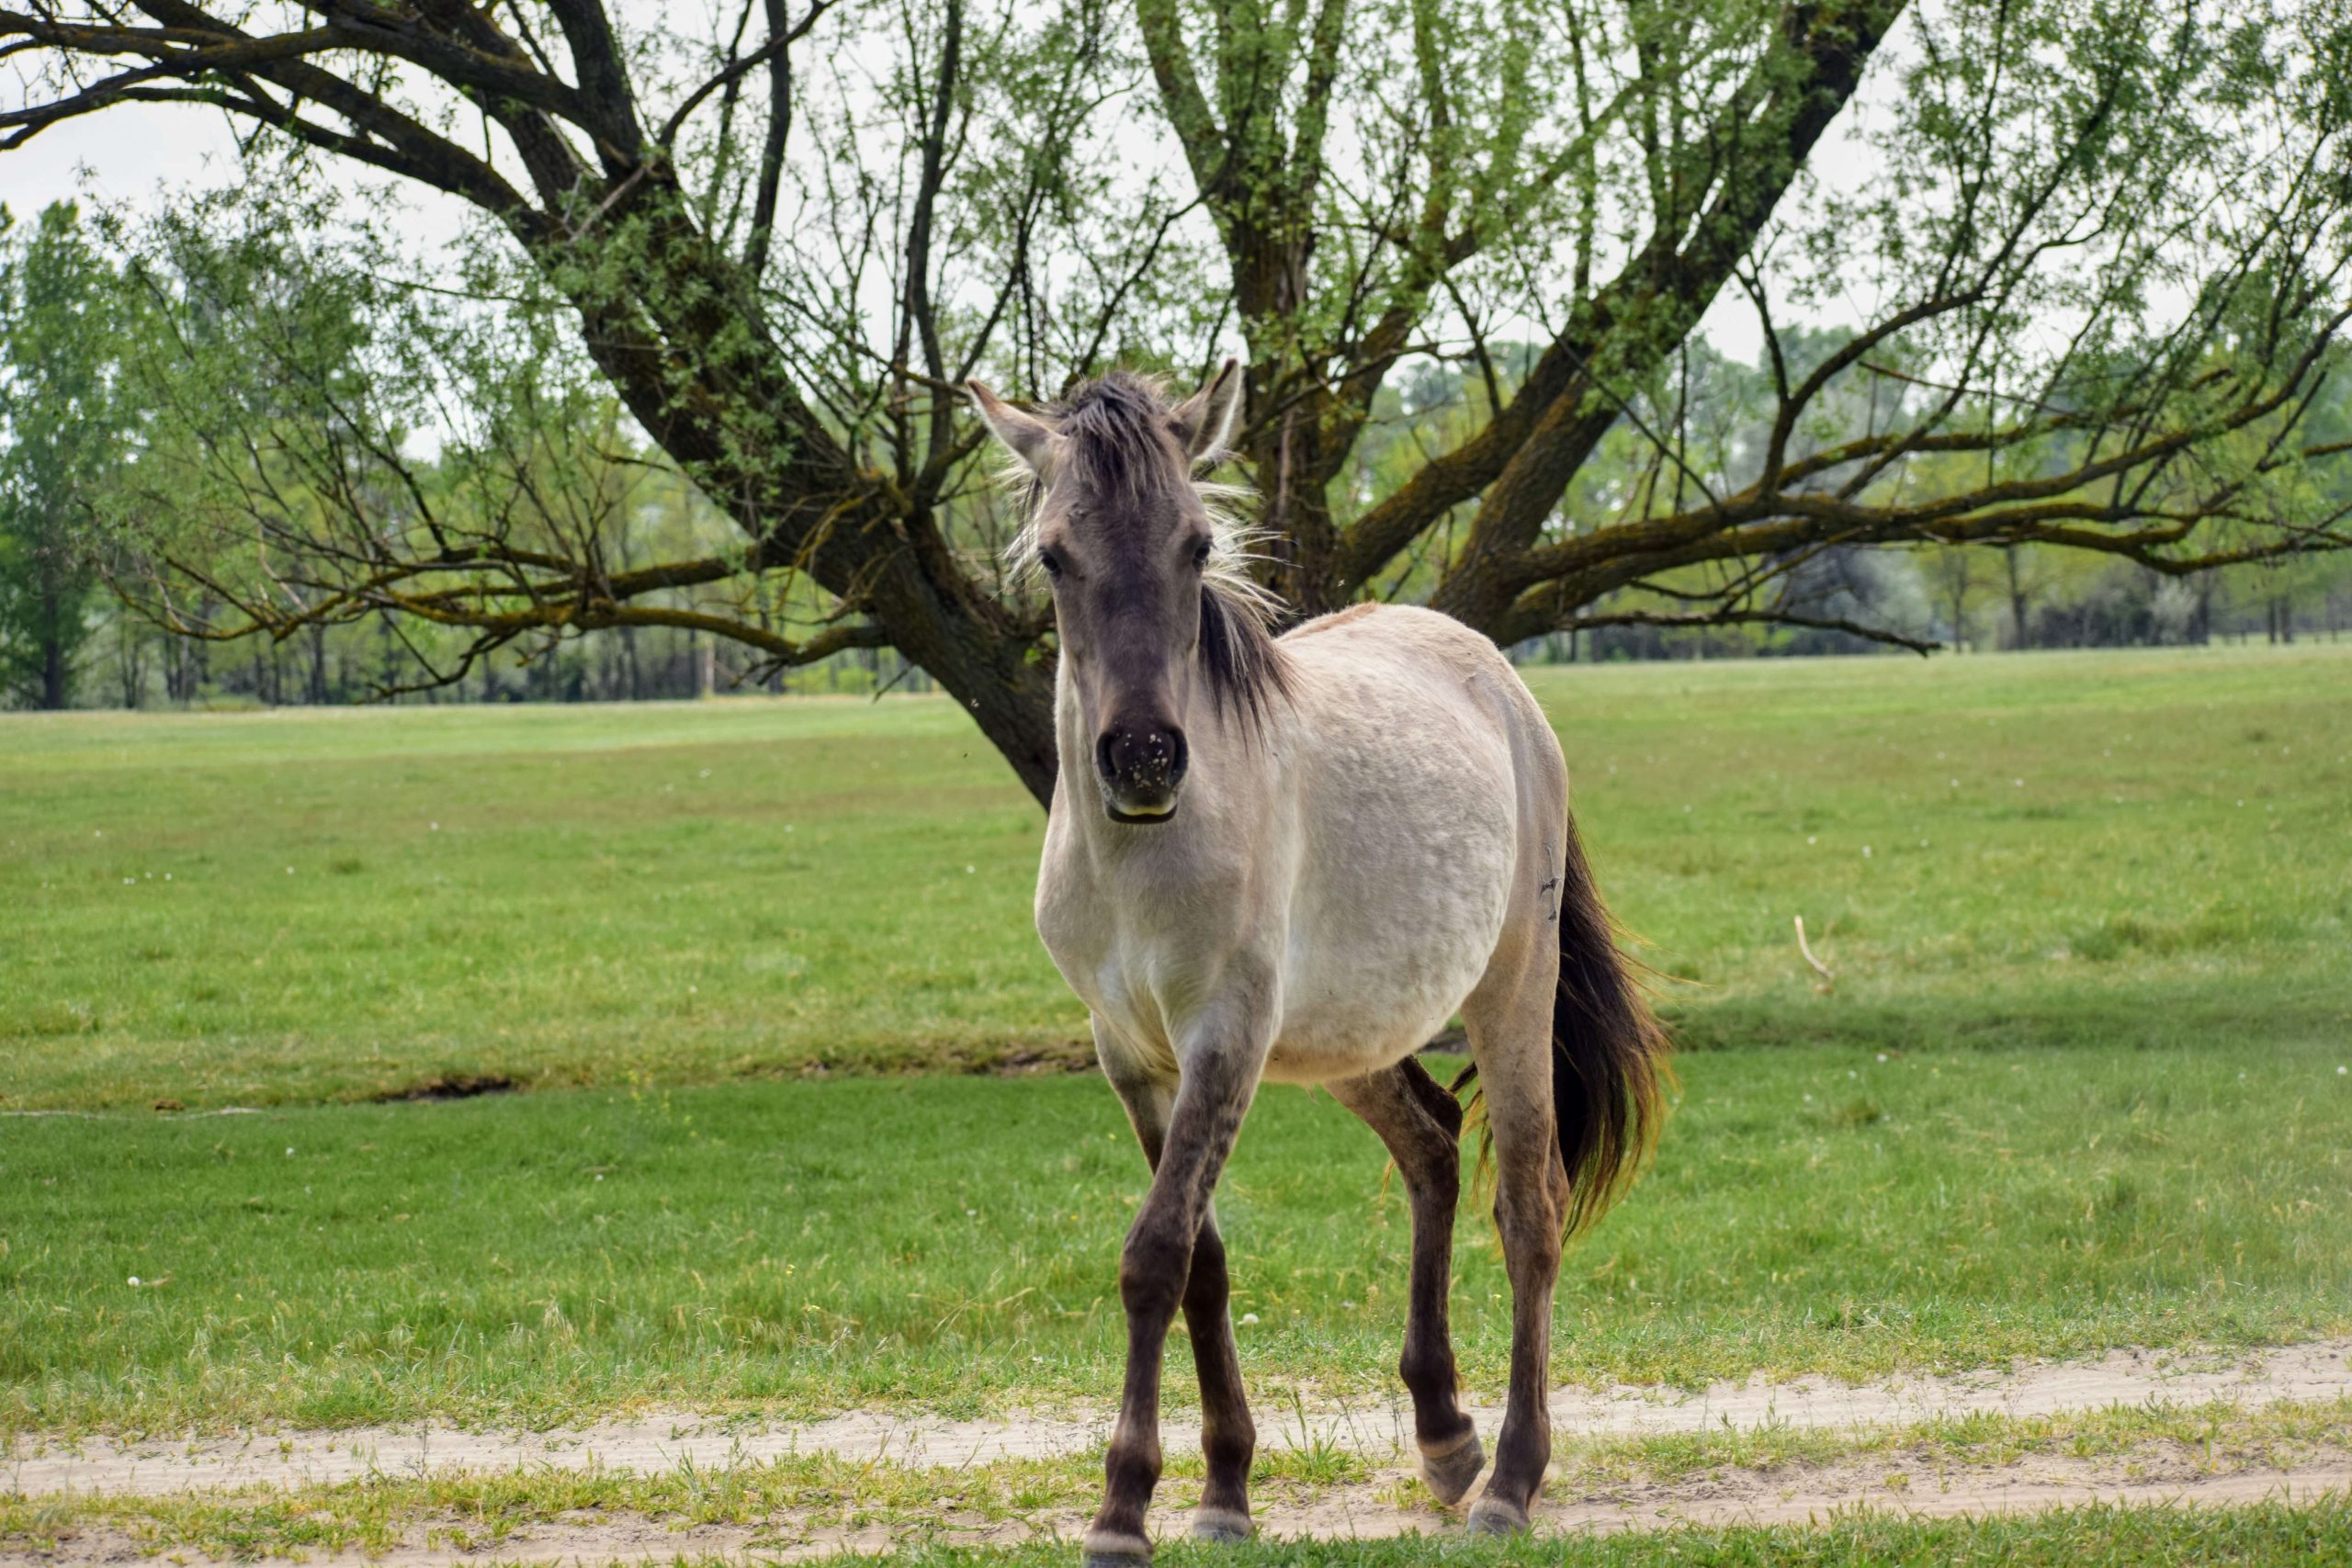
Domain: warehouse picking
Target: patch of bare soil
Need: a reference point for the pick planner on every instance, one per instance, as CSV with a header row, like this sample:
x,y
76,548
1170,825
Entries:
x,y
33,1466
1363,1511
444,1086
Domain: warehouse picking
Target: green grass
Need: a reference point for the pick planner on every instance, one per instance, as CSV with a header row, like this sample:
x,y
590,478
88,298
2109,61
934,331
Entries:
x,y
2118,850
292,907
2083,1538
2080,1083
795,1248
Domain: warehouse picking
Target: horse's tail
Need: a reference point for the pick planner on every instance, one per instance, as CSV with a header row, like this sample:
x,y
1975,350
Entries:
x,y
1609,1055
1610,1074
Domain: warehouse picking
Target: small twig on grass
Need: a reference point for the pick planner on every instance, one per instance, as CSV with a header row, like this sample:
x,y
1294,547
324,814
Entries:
x,y
1828,981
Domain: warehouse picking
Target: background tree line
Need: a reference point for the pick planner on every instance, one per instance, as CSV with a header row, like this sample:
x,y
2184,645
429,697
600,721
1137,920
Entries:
x,y
127,367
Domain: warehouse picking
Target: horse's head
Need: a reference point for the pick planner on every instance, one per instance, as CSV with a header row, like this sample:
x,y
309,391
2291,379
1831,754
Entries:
x,y
1145,570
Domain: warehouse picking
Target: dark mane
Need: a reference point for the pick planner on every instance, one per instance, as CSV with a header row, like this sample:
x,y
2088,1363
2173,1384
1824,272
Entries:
x,y
1237,653
1119,438
1119,443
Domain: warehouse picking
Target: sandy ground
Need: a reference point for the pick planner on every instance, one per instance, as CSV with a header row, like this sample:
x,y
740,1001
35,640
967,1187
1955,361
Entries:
x,y
1359,1512
1912,1482
2313,1372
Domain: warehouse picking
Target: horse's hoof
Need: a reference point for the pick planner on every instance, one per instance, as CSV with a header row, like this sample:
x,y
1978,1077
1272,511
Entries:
x,y
1492,1516
1113,1548
1221,1524
1451,1474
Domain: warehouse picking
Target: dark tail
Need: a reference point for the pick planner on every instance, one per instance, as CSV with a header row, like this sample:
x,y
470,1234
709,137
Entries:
x,y
1609,1067
1610,1074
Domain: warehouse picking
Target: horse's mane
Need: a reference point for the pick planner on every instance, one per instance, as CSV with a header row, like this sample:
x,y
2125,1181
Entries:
x,y
1116,440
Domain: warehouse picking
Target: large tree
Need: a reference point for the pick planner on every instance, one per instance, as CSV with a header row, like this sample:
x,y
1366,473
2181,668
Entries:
x,y
61,436
2081,264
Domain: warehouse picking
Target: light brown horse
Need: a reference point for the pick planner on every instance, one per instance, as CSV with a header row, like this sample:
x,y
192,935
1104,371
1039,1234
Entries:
x,y
1296,858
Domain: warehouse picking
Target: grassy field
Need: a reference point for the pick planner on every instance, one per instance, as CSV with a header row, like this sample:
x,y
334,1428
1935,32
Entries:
x,y
802,1247
2081,1083
2121,849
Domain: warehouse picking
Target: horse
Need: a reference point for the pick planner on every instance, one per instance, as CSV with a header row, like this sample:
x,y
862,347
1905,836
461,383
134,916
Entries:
x,y
1293,859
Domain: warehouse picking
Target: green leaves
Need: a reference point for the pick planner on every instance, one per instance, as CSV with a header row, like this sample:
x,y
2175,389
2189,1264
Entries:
x,y
62,424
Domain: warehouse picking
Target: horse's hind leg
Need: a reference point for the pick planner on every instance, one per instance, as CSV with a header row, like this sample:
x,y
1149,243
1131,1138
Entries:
x,y
1510,1022
1229,1437
1422,1125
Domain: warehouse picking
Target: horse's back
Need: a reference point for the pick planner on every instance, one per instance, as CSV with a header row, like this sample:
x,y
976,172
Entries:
x,y
1425,774
1420,681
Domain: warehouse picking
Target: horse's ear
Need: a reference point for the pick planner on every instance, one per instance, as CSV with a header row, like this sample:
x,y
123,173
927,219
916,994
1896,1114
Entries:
x,y
1031,439
1205,419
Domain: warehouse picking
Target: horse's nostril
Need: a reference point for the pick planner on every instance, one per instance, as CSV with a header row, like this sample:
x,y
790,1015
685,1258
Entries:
x,y
1142,758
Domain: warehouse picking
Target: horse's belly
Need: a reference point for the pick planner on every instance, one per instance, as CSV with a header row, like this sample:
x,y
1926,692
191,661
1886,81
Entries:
x,y
1361,992
1325,1043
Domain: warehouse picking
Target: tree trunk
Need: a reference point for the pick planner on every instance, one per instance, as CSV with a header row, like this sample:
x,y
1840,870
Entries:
x,y
319,665
54,682
56,667
128,649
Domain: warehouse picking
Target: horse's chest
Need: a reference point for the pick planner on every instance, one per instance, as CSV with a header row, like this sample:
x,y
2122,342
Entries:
x,y
1127,968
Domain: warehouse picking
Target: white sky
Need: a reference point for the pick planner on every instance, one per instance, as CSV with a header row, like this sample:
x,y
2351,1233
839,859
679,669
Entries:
x,y
135,154
128,150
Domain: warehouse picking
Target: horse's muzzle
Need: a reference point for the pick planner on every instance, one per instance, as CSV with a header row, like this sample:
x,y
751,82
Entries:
x,y
1140,768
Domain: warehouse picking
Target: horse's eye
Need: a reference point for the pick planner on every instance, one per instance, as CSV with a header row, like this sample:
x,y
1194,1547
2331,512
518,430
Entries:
x,y
1200,554
1051,562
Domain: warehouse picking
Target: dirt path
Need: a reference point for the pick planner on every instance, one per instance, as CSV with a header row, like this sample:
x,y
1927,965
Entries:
x,y
2313,1372
1364,1511
1917,1480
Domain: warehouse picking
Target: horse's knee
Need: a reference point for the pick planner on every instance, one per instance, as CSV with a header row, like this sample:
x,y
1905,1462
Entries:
x,y
1524,1211
1153,1270
1205,1282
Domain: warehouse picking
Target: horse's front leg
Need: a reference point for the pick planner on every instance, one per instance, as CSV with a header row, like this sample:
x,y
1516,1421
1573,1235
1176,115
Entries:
x,y
1229,1437
1174,1256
